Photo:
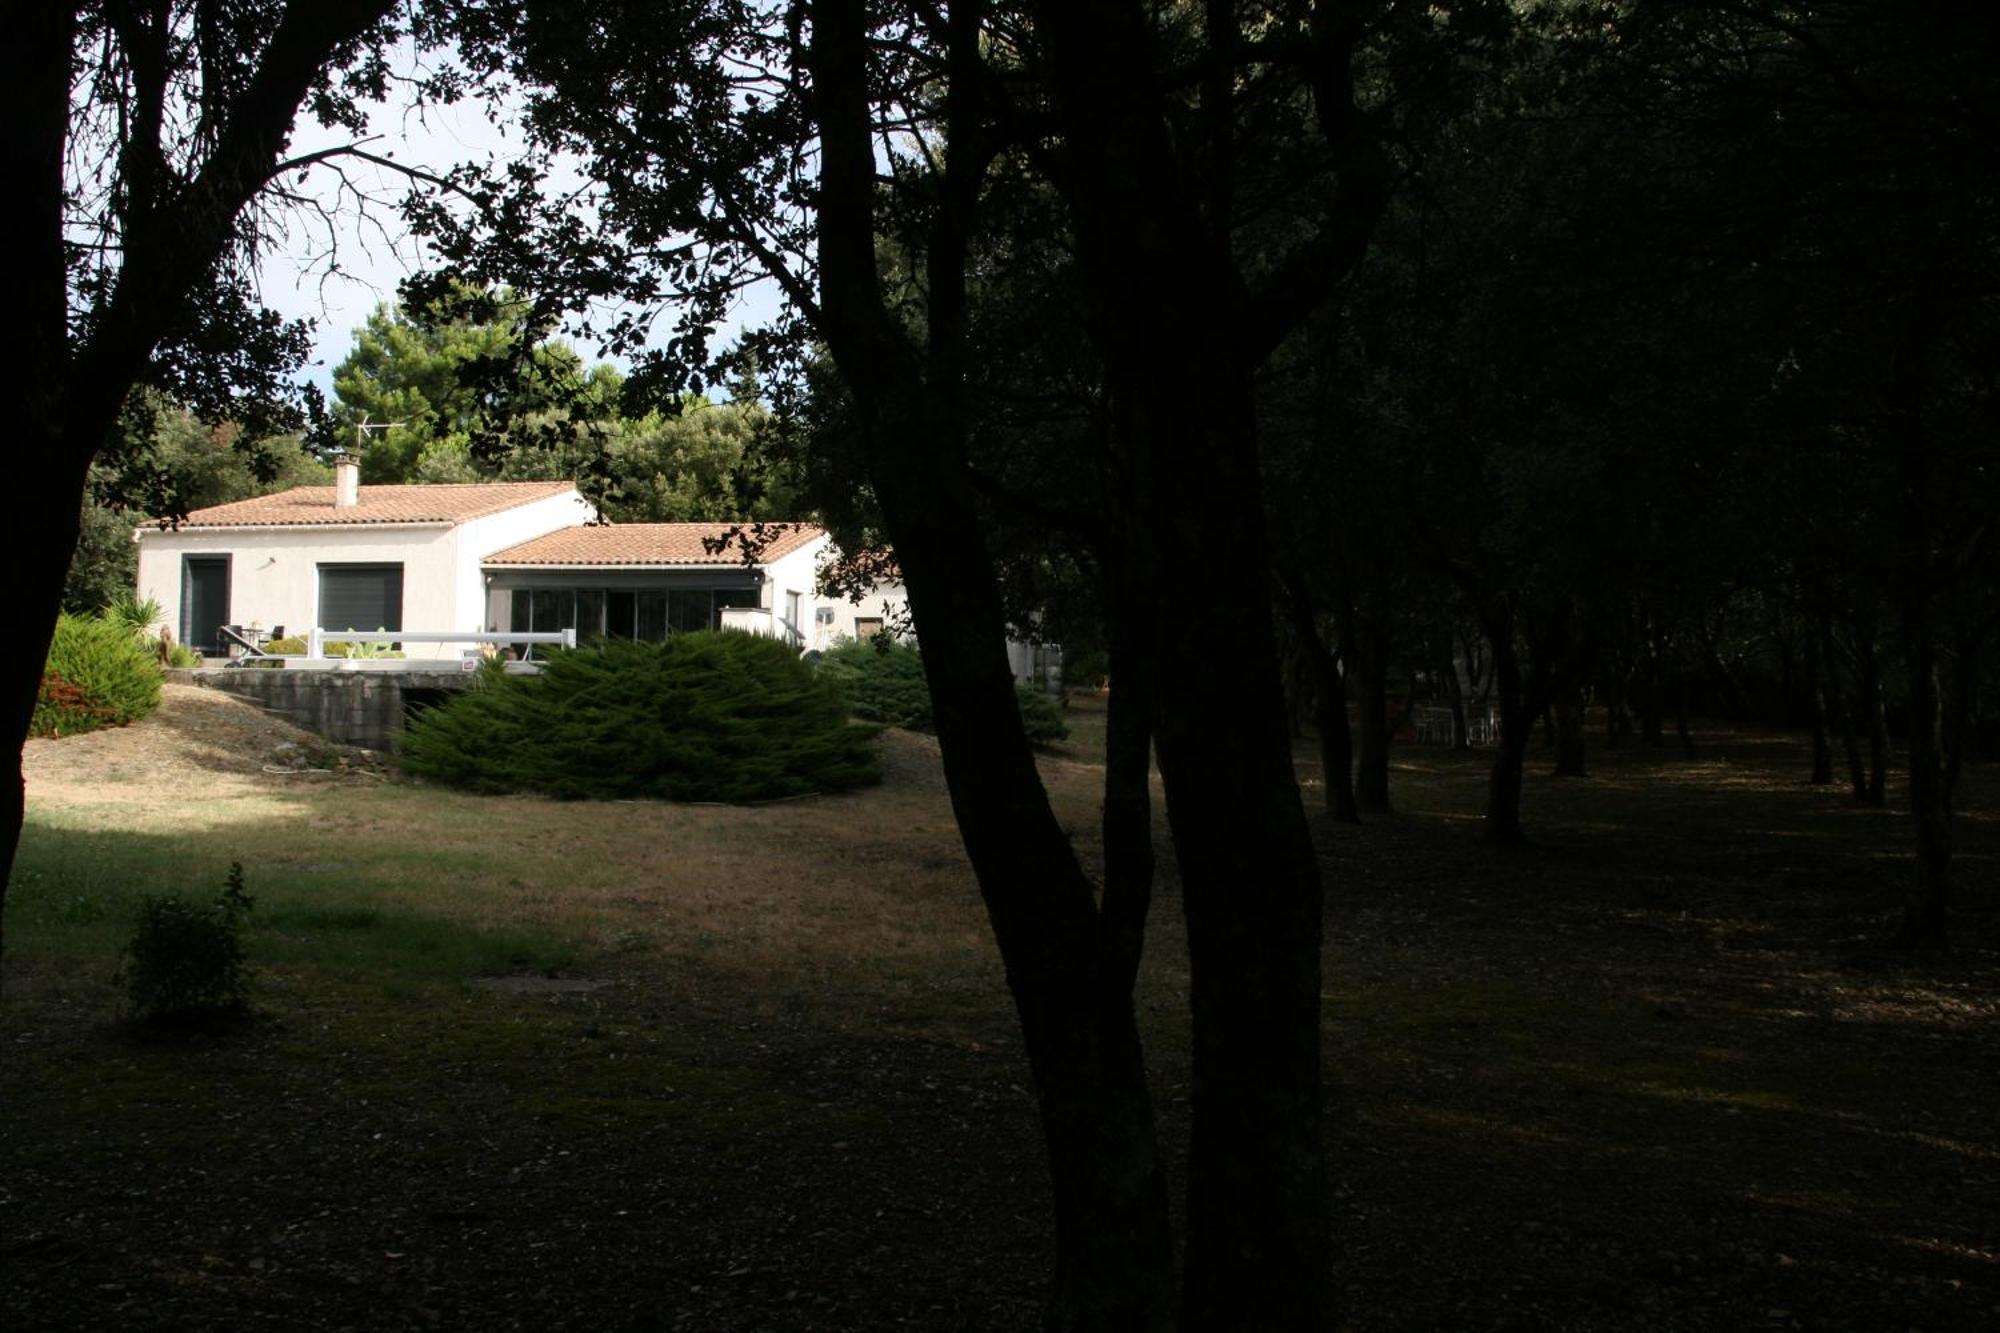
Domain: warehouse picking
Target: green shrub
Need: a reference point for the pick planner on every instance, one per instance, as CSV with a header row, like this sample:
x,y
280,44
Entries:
x,y
137,617
99,674
184,962
368,651
180,655
702,717
1041,716
883,681
295,645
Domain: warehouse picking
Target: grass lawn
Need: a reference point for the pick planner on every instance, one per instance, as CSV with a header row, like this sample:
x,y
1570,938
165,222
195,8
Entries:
x,y
522,1064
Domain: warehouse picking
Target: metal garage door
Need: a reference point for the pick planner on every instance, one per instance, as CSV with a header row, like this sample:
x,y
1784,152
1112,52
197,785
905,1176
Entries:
x,y
363,597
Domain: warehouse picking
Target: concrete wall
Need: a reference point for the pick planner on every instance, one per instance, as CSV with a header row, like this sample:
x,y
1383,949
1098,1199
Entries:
x,y
353,707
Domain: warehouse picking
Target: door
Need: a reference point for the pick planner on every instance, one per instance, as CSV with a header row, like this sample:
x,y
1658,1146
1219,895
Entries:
x,y
361,597
204,601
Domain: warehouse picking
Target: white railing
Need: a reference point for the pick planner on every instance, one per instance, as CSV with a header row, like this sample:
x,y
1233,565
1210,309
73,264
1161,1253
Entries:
x,y
316,641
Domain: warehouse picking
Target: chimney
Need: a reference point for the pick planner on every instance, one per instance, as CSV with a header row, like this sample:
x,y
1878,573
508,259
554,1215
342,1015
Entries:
x,y
346,481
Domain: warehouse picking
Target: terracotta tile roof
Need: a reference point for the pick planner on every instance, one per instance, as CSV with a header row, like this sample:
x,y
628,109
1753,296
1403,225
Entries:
x,y
438,503
651,544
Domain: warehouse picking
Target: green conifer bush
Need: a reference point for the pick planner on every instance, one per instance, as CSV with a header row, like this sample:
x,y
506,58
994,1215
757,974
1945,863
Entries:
x,y
883,681
701,717
98,674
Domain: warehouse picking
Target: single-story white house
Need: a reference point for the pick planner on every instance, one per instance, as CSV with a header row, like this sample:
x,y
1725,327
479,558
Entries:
x,y
486,556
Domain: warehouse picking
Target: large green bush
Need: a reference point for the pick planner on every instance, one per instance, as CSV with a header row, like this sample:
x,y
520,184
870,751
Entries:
x,y
99,674
883,681
701,717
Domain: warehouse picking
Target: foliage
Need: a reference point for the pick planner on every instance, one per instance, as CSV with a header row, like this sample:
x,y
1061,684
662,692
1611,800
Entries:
x,y
184,962
369,651
701,717
882,680
136,616
106,563
294,645
162,461
98,674
1041,716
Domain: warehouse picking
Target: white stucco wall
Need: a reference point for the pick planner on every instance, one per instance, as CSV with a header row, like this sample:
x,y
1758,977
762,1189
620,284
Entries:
x,y
274,572
480,537
886,601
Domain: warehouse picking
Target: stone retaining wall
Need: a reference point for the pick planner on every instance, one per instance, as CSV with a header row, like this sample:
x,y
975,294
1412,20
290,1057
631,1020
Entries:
x,y
352,707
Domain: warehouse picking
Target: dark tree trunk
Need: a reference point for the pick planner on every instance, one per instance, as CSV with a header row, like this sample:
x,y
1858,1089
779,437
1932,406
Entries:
x,y
1960,722
1927,915
1857,766
1569,711
1816,669
1365,643
44,497
1652,694
1927,918
66,393
1454,694
1873,716
1683,729
1171,309
1069,964
1329,691
1617,711
1504,782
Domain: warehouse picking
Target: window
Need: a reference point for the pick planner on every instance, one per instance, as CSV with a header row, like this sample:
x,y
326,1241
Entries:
x,y
652,616
867,627
793,630
360,597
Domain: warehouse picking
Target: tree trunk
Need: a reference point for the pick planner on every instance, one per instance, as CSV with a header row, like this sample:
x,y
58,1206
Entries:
x,y
1682,728
1504,782
1874,716
1927,915
1366,645
1816,667
1069,965
1454,693
1257,1227
1652,694
1329,690
1927,918
1569,712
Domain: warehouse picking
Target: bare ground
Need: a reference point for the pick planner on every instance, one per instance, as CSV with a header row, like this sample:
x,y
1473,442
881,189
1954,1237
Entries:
x,y
1652,1072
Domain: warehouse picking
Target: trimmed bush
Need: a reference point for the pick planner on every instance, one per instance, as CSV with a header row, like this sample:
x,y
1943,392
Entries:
x,y
184,962
702,717
99,674
883,681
